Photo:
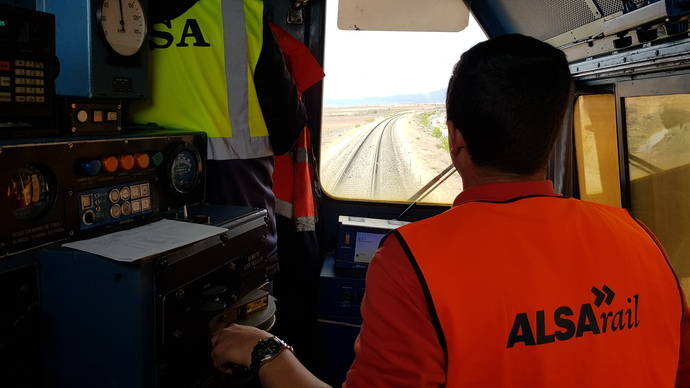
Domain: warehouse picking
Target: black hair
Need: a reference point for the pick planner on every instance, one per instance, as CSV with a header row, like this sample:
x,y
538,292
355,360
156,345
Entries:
x,y
508,97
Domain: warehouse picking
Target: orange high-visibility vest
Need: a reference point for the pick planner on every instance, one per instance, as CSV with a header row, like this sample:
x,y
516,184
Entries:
x,y
292,185
293,175
548,292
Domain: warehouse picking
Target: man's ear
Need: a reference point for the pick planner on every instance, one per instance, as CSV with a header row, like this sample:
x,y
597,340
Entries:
x,y
456,141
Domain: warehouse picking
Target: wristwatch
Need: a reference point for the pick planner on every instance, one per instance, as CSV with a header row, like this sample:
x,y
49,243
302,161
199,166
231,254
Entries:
x,y
265,351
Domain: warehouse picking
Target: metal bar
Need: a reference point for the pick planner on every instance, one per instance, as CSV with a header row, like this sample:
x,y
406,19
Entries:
x,y
419,194
594,8
636,18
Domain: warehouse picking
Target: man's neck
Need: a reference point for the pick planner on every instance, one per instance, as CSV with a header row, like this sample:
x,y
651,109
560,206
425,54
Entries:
x,y
488,178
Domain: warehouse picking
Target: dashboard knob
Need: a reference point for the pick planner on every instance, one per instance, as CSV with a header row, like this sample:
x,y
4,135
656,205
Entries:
x,y
126,162
89,167
109,164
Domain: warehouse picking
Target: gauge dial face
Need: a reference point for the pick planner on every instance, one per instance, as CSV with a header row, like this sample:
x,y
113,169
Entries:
x,y
124,25
184,171
29,192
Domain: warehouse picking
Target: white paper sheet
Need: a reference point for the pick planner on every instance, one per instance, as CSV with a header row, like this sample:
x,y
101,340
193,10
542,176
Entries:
x,y
144,241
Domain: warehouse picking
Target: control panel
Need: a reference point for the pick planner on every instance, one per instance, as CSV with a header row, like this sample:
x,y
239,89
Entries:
x,y
83,117
160,310
57,190
107,205
29,80
28,67
358,240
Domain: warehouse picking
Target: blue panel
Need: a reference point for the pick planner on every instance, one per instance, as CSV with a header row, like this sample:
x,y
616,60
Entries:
x,y
98,321
492,17
88,66
97,204
340,297
72,45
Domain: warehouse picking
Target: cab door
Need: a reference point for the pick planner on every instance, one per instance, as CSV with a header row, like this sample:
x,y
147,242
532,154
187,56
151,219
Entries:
x,y
632,150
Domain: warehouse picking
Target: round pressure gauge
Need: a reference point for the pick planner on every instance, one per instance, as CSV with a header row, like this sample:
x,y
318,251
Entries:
x,y
184,169
30,192
124,25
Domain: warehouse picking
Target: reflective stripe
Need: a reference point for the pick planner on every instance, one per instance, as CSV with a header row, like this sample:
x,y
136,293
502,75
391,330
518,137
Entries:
x,y
284,208
302,224
305,224
301,155
222,148
235,38
238,71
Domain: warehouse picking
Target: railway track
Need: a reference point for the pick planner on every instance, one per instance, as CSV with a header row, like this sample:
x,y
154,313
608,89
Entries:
x,y
370,162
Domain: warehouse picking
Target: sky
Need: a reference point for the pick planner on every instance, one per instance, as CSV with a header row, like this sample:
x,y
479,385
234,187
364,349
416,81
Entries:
x,y
383,63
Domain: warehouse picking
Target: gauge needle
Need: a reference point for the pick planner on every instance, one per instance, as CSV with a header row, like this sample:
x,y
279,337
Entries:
x,y
122,17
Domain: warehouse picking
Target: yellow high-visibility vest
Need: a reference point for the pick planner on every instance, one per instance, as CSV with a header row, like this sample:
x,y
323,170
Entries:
x,y
202,77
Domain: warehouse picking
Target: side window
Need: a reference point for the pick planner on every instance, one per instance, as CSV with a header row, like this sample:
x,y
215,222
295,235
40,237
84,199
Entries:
x,y
658,134
596,146
384,135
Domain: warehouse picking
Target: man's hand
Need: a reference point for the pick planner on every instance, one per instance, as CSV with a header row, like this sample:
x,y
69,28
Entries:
x,y
234,345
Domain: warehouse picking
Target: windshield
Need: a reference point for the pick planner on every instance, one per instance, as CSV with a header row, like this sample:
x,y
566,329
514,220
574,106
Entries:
x,y
384,133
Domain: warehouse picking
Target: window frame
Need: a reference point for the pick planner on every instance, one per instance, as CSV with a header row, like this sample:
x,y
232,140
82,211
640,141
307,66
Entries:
x,y
654,85
583,89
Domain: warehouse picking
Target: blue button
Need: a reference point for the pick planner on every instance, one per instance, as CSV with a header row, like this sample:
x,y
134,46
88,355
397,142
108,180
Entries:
x,y
90,167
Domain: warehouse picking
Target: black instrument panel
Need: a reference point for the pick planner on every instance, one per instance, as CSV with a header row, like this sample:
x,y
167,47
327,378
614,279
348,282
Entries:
x,y
28,67
55,189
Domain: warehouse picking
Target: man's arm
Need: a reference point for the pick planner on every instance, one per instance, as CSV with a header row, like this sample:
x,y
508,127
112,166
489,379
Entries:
x,y
235,343
397,345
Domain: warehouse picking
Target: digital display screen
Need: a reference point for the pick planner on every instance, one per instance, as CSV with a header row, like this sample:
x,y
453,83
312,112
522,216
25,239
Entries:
x,y
366,245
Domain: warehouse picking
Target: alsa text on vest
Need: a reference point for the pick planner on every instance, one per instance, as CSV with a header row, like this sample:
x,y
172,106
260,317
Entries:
x,y
571,325
162,38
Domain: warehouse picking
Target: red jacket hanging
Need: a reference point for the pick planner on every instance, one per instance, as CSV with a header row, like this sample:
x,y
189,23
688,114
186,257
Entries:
x,y
293,175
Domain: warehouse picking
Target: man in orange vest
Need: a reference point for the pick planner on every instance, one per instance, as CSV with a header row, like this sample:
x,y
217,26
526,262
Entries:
x,y
515,286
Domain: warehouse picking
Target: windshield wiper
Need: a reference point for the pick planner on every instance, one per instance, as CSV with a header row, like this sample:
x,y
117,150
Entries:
x,y
429,188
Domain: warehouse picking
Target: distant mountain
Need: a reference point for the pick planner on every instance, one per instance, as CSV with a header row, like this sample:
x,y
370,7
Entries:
x,y
437,96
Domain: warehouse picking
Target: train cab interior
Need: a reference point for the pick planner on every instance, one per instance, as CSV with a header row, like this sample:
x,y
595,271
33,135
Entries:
x,y
120,256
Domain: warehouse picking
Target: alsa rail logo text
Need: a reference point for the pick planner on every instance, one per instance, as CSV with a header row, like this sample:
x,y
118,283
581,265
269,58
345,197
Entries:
x,y
571,323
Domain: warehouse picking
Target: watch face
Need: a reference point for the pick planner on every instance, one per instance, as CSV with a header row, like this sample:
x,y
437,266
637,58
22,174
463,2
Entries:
x,y
124,25
266,350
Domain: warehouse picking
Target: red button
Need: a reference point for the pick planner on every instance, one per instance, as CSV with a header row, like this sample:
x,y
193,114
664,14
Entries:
x,y
126,162
4,66
141,160
110,164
